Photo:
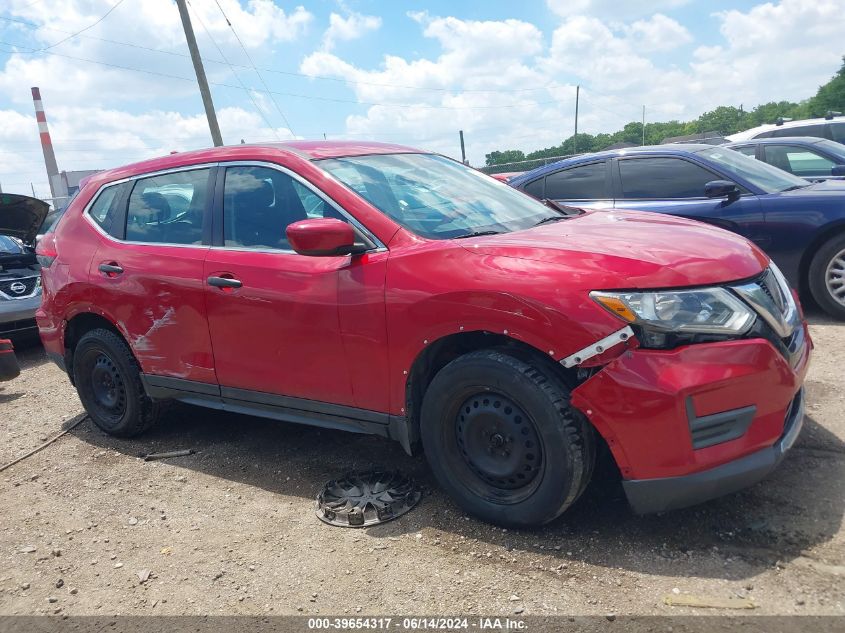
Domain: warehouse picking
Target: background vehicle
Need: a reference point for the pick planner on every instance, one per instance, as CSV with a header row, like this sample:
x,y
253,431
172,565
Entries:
x,y
804,156
799,224
831,127
379,289
9,368
21,217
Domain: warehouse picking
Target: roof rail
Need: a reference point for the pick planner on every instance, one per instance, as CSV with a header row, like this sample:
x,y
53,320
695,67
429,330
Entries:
x,y
830,114
781,120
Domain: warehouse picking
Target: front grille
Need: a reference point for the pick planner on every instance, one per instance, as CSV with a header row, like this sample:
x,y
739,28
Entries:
x,y
768,284
19,287
779,320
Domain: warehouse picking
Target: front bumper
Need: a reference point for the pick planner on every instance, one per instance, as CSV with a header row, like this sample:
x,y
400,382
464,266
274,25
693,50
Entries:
x,y
647,496
17,316
696,422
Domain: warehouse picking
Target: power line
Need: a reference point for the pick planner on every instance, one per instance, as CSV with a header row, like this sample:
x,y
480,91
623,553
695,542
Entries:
x,y
93,24
32,51
248,91
266,87
290,73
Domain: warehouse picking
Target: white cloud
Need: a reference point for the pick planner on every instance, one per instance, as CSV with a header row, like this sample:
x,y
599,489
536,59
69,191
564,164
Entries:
x,y
614,9
771,51
351,27
506,83
152,24
658,33
101,138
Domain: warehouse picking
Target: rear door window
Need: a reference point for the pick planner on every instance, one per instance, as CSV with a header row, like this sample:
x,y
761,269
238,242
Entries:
x,y
168,208
585,182
798,160
662,178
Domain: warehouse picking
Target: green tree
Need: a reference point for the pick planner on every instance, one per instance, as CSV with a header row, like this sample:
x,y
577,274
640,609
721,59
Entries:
x,y
830,96
507,156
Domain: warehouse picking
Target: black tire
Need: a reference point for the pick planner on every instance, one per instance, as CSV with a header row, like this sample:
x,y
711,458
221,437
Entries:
x,y
540,452
108,380
819,272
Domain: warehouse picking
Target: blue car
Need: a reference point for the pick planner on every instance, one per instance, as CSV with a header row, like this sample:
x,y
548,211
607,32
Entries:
x,y
805,156
801,225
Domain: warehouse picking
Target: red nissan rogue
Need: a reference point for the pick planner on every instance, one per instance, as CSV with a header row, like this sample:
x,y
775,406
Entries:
x,y
380,289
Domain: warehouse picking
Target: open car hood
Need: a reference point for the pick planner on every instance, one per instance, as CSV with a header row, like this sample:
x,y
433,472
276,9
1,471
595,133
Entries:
x,y
21,216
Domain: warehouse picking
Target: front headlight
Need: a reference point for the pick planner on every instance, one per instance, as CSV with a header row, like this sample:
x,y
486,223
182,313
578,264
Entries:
x,y
714,311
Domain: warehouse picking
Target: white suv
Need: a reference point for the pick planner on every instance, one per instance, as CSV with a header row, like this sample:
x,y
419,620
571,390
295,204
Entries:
x,y
829,127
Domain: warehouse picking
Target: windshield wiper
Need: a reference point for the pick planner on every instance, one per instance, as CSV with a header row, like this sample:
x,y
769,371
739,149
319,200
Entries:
x,y
551,218
476,234
564,209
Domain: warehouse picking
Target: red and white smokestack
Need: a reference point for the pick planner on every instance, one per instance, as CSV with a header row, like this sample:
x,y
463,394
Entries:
x,y
47,148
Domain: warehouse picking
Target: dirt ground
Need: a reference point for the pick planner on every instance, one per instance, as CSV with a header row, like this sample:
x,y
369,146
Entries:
x,y
232,530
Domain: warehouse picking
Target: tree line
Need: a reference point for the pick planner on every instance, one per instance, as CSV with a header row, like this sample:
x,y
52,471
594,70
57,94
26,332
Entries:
x,y
724,119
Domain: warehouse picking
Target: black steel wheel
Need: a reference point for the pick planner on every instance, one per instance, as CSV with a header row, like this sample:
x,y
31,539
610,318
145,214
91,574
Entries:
x,y
108,380
503,441
107,387
499,442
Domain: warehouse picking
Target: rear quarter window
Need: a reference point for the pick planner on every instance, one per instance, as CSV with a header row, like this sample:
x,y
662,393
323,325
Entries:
x,y
104,209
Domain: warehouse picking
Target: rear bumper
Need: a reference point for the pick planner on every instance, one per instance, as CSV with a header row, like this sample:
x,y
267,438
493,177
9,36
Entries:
x,y
658,495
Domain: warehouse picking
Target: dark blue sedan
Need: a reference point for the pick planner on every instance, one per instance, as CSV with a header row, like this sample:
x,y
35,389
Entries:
x,y
801,225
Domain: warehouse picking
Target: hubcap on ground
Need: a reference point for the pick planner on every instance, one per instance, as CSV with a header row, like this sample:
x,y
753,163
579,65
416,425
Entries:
x,y
498,441
107,385
835,277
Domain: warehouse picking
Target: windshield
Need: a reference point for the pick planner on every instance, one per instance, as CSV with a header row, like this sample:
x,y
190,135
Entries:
x,y
435,197
769,179
11,246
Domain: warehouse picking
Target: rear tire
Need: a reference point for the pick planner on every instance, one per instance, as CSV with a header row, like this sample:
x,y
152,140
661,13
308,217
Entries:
x,y
503,441
826,277
108,380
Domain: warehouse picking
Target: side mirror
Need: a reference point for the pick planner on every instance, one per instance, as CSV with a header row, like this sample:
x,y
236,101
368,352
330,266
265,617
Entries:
x,y
837,170
721,189
321,237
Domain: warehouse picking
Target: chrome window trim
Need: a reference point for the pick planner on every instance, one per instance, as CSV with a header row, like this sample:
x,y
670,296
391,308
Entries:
x,y
379,245
86,212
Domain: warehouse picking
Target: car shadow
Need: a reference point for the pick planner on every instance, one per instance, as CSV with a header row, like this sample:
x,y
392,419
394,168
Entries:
x,y
798,506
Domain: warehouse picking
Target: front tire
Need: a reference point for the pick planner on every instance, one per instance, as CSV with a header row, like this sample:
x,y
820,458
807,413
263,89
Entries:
x,y
827,277
503,441
108,380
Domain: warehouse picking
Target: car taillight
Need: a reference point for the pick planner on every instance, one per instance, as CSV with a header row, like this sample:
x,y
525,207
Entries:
x,y
46,251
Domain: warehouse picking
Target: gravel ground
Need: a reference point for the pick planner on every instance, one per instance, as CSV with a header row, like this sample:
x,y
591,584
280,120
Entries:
x,y
89,528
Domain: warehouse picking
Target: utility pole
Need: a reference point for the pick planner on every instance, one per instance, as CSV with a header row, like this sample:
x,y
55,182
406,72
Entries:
x,y
463,150
575,138
200,71
643,125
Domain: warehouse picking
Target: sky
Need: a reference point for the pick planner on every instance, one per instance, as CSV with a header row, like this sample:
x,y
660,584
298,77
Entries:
x,y
118,85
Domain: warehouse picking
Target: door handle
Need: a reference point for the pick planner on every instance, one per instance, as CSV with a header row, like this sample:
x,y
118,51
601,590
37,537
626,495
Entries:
x,y
110,270
224,282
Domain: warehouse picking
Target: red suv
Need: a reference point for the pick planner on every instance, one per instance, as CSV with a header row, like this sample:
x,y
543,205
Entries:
x,y
381,289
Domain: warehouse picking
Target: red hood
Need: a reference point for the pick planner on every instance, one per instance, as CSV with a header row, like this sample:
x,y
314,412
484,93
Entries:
x,y
628,249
